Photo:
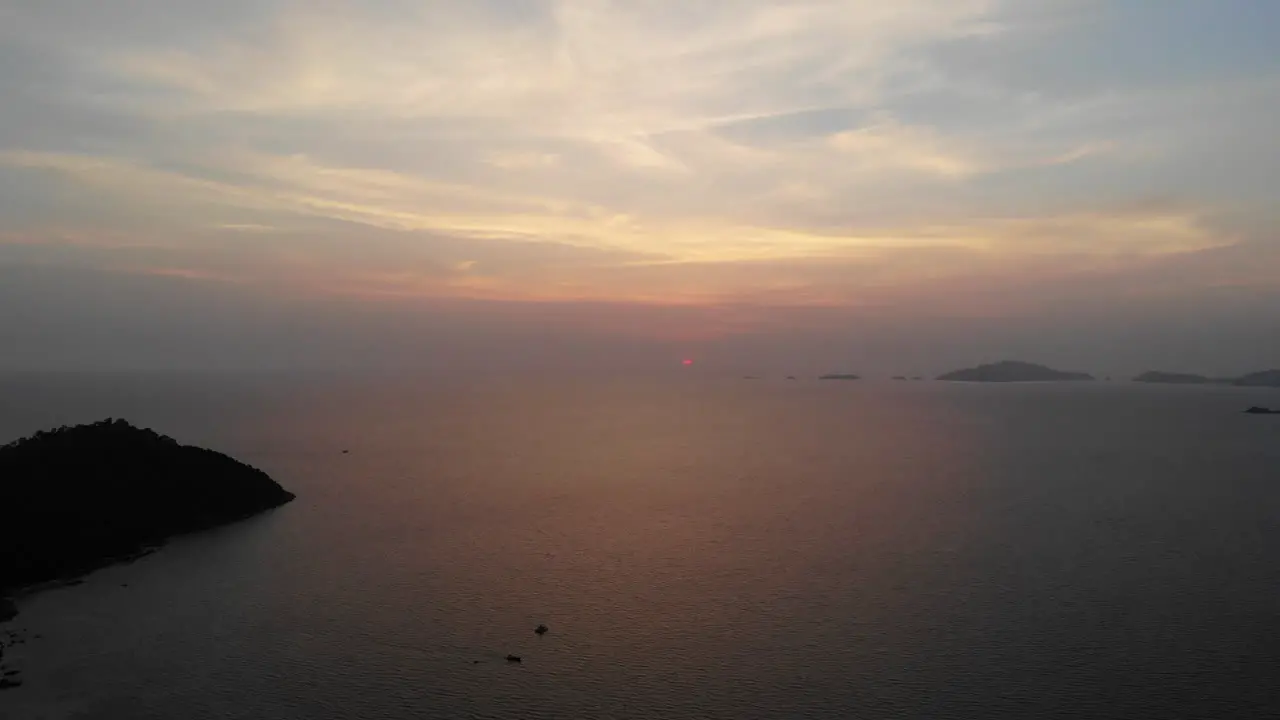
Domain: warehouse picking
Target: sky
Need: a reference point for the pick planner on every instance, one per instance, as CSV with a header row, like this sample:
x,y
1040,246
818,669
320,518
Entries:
x,y
759,185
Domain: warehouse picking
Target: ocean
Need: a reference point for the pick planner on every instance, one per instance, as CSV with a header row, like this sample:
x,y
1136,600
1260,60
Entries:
x,y
699,548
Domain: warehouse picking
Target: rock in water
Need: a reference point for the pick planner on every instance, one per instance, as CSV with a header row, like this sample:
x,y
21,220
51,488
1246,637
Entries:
x,y
77,498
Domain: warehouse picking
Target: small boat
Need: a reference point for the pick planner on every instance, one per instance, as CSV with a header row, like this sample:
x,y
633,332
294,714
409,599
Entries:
x,y
513,658
541,629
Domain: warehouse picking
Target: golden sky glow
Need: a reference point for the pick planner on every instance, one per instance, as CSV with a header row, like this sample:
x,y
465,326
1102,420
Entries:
x,y
808,152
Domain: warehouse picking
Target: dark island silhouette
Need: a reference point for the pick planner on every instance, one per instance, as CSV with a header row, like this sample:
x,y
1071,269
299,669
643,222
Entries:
x,y
78,498
1157,376
839,376
1255,410
1012,371
1265,378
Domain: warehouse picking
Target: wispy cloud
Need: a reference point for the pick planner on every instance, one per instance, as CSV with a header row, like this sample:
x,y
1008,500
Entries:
x,y
818,152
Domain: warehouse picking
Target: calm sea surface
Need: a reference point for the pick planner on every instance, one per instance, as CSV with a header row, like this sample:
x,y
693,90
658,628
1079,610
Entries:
x,y
699,549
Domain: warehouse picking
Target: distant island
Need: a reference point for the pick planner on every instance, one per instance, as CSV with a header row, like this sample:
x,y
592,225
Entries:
x,y
1255,410
1012,371
1155,376
839,376
1266,378
78,498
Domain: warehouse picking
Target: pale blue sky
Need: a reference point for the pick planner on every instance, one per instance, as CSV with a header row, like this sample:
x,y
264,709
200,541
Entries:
x,y
1087,181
